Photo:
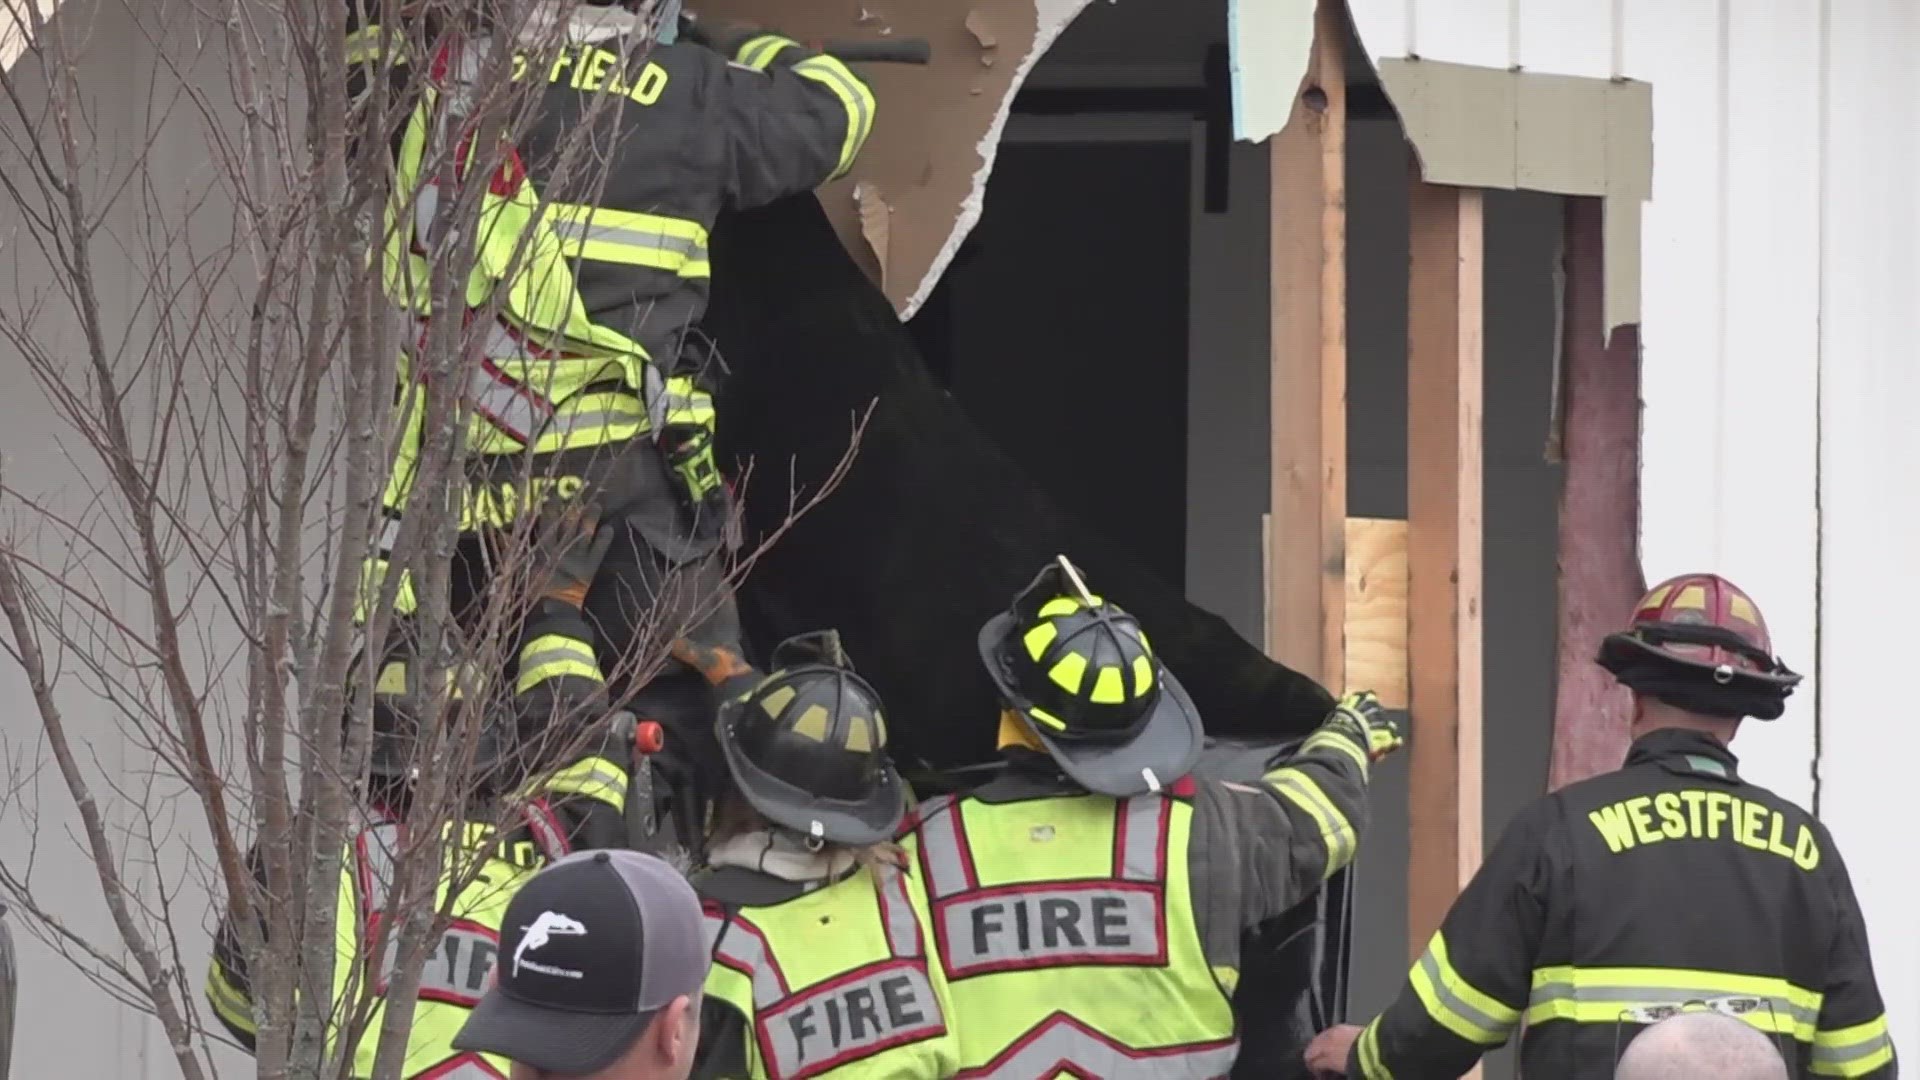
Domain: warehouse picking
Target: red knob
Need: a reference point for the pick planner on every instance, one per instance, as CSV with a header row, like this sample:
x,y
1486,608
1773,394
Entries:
x,y
649,737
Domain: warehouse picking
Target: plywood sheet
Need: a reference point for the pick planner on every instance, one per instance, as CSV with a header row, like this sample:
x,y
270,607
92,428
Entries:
x,y
1377,608
923,174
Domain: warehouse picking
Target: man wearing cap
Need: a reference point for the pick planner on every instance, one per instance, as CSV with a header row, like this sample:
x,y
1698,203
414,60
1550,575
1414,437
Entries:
x,y
1667,885
819,937
1088,903
599,975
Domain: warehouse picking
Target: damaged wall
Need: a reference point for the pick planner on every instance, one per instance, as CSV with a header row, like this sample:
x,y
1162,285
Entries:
x,y
918,186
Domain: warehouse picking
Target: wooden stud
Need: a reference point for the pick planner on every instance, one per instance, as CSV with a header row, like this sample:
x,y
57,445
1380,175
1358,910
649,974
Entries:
x,y
1306,584
1443,542
1377,608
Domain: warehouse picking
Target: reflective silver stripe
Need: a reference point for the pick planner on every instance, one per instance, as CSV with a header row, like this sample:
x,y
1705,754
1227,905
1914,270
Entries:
x,y
1429,964
514,409
587,776
686,247
1064,1042
1051,925
1828,1059
538,660
373,854
851,93
896,911
389,535
839,1022
546,830
598,420
1140,849
743,950
1628,997
940,840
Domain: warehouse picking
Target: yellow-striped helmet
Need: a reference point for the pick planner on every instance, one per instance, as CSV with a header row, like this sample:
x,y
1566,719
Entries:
x,y
1082,672
807,747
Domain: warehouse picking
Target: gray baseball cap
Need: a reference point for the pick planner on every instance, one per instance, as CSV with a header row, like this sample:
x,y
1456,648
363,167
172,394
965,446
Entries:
x,y
590,949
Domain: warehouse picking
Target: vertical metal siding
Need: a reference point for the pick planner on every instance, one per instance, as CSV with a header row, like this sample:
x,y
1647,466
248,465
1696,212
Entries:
x,y
1870,474
1781,307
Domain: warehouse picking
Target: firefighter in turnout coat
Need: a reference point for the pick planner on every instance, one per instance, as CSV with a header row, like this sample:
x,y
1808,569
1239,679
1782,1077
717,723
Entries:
x,y
1088,903
576,807
821,962
591,392
1669,885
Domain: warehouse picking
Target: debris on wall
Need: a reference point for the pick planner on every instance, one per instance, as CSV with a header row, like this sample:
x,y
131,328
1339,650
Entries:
x,y
937,128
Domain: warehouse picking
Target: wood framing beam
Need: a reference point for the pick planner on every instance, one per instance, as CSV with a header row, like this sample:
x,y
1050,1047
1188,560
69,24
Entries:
x,y
1443,541
1306,581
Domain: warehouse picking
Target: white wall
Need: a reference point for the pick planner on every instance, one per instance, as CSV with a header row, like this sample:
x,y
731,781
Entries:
x,y
1779,288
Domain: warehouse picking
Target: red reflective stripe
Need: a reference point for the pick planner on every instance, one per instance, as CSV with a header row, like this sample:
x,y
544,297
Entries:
x,y
961,846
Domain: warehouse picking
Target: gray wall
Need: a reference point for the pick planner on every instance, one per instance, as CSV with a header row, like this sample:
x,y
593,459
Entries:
x,y
1228,472
66,1025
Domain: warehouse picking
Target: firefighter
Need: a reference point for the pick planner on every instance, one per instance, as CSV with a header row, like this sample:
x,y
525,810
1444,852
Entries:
x,y
592,391
579,806
818,932
1668,885
1088,903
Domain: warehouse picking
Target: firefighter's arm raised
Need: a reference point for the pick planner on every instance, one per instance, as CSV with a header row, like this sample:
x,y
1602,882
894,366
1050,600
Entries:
x,y
1465,994
793,119
1852,1039
1259,849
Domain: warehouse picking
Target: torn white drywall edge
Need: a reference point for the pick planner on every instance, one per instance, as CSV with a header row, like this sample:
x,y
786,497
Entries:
x,y
1050,18
1269,44
16,32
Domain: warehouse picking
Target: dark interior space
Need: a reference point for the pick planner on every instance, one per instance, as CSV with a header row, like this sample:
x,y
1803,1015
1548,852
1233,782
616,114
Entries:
x,y
1079,262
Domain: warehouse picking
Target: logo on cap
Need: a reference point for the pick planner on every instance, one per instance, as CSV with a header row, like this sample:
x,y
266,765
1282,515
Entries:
x,y
547,926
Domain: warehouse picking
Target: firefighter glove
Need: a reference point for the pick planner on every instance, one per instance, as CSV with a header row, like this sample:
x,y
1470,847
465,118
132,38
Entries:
x,y
1361,717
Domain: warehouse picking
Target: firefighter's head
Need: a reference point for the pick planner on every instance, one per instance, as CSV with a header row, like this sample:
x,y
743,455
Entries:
x,y
1699,644
807,753
1077,677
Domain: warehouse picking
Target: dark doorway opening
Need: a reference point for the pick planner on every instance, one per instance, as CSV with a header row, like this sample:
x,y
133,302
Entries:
x,y
1062,330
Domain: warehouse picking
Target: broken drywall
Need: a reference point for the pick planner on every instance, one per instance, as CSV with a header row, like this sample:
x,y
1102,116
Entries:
x,y
919,185
1269,43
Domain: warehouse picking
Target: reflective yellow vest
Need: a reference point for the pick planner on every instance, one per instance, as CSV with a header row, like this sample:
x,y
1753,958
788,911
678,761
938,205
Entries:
x,y
543,350
1066,929
860,1000
459,968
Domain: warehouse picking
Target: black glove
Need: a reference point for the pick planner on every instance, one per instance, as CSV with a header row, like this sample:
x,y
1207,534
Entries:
x,y
1361,717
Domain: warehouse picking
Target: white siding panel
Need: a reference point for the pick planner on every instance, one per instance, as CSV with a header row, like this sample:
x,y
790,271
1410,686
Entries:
x,y
1560,37
1769,362
1870,476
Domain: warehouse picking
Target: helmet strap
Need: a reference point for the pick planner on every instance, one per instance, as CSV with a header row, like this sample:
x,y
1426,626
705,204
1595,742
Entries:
x,y
1016,731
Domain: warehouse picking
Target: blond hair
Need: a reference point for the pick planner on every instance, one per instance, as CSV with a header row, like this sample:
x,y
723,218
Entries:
x,y
734,816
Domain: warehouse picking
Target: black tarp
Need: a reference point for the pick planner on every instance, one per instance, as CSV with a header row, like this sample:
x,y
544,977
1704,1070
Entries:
x,y
932,531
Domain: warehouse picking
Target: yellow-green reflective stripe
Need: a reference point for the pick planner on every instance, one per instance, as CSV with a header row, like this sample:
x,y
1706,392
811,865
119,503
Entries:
x,y
553,655
1601,995
1853,1051
853,94
1335,831
595,778
633,239
758,52
592,420
1371,1067
227,1000
1327,740
369,42
1456,1004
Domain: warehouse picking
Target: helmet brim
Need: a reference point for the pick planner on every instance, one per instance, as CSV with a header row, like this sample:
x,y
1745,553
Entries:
x,y
1166,748
854,824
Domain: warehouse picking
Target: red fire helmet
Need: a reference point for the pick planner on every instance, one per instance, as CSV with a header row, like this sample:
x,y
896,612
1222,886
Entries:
x,y
1700,633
